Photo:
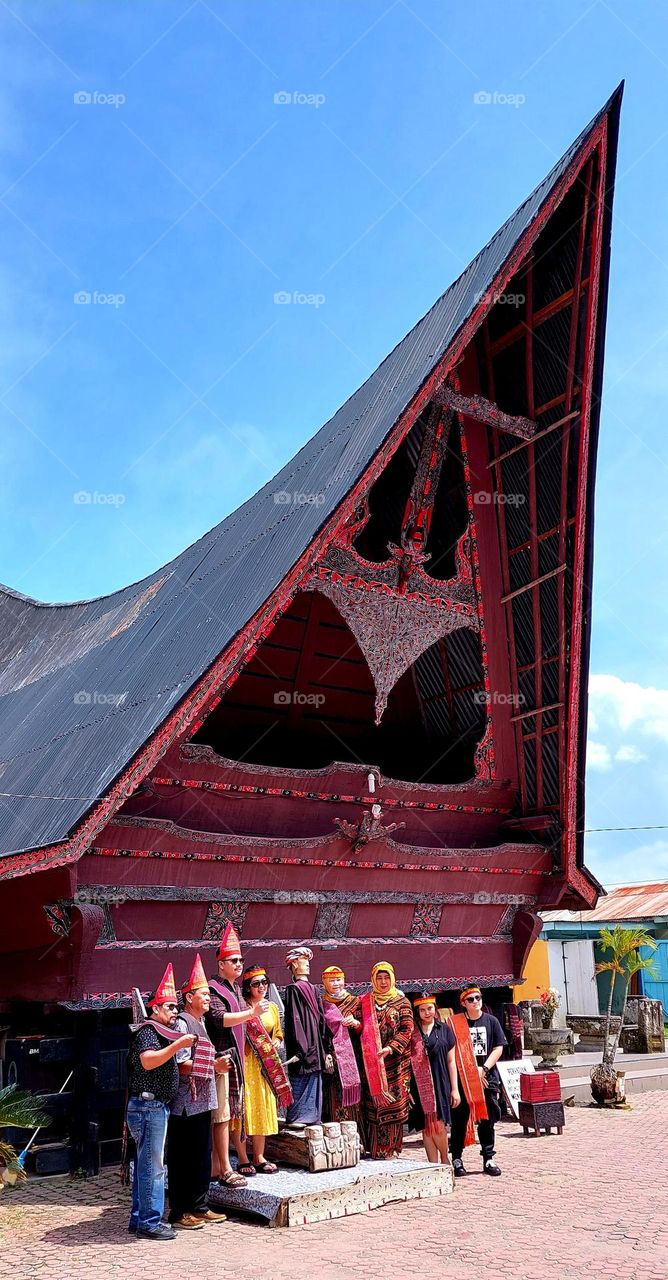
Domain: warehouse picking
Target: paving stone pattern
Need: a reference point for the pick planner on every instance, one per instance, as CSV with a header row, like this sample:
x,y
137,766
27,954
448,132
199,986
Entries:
x,y
590,1204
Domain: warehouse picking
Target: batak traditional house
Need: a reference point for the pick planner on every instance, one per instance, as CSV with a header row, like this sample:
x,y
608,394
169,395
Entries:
x,y
353,713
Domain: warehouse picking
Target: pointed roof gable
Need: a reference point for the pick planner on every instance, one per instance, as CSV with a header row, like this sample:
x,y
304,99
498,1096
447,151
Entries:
x,y
85,687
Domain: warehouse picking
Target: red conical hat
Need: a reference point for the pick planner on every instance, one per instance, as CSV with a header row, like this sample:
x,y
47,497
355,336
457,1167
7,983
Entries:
x,y
230,944
197,978
166,988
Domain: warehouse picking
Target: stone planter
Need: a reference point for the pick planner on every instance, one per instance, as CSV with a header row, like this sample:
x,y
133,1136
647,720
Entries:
x,y
551,1043
591,1030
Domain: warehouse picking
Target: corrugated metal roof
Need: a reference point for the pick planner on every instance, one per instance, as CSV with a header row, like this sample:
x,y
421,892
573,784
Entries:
x,y
629,902
143,648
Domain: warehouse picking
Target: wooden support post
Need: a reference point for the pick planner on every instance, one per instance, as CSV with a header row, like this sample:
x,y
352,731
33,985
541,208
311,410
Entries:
x,y
84,1134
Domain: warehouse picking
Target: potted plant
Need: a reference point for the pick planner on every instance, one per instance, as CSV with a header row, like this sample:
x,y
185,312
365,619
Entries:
x,y
548,1040
19,1110
625,960
550,1001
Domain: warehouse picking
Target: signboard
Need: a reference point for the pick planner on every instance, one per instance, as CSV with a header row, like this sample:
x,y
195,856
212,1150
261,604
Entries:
x,y
510,1073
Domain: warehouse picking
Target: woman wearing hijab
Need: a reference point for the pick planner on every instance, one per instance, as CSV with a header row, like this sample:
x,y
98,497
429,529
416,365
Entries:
x,y
385,1116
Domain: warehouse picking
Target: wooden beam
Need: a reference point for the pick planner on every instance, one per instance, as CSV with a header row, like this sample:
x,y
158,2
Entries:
x,y
484,411
544,313
501,457
535,582
537,711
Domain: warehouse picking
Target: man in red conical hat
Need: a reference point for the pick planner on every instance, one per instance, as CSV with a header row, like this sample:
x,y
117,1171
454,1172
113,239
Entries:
x,y
225,1022
189,1133
153,1080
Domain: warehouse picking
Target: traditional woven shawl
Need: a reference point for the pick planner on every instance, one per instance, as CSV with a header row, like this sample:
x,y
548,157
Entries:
x,y
203,1054
421,1068
512,1025
371,1046
351,1087
167,1033
467,1070
270,1063
225,991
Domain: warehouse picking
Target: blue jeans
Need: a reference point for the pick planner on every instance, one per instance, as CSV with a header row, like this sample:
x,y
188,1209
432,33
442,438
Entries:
x,y
147,1122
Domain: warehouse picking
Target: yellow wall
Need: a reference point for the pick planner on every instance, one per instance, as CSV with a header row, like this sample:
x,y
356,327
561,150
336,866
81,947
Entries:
x,y
536,973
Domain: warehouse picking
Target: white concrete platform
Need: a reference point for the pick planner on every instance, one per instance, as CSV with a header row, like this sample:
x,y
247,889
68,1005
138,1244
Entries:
x,y
293,1197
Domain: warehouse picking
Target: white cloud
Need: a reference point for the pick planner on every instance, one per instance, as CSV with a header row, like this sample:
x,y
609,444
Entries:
x,y
622,705
628,754
598,756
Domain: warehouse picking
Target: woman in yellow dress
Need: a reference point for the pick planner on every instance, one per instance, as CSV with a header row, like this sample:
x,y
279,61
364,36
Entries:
x,y
260,1112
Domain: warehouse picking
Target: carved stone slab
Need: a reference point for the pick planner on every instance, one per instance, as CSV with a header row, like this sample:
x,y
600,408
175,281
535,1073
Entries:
x,y
293,1197
319,1147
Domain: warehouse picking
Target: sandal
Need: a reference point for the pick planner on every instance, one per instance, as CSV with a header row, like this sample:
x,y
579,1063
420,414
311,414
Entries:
x,y
266,1167
246,1170
231,1180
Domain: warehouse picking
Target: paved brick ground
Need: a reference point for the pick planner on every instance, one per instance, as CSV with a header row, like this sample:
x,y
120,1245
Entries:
x,y
593,1203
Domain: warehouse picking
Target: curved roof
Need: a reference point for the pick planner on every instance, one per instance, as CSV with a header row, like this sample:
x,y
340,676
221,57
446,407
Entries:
x,y
84,686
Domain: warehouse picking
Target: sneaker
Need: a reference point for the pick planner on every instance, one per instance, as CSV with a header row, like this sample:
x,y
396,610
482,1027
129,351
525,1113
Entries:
x,y
189,1222
132,1228
162,1232
492,1168
212,1215
458,1168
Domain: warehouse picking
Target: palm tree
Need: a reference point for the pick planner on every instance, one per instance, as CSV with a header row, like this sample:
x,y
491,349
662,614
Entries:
x,y
21,1110
624,946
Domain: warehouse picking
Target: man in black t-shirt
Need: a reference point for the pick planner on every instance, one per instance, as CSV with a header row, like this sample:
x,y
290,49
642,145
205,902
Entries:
x,y
488,1042
153,1079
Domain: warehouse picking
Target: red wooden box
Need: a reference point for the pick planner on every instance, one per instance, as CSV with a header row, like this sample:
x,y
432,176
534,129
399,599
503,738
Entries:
x,y
540,1086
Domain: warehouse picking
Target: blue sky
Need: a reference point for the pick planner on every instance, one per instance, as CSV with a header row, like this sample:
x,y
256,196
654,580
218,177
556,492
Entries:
x,y
180,196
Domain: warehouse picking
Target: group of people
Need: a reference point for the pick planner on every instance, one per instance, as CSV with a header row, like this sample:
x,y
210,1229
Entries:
x,y
214,1072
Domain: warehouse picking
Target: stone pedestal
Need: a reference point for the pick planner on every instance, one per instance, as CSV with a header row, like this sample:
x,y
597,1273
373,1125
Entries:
x,y
643,1026
293,1197
591,1030
316,1147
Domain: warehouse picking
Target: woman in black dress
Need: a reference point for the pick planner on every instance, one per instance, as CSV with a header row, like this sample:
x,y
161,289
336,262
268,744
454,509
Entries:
x,y
439,1042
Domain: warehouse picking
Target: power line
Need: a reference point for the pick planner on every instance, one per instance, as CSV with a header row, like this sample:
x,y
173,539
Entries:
x,y
588,830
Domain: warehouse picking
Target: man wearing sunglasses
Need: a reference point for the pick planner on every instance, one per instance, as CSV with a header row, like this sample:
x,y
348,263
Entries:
x,y
488,1043
153,1081
226,1025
